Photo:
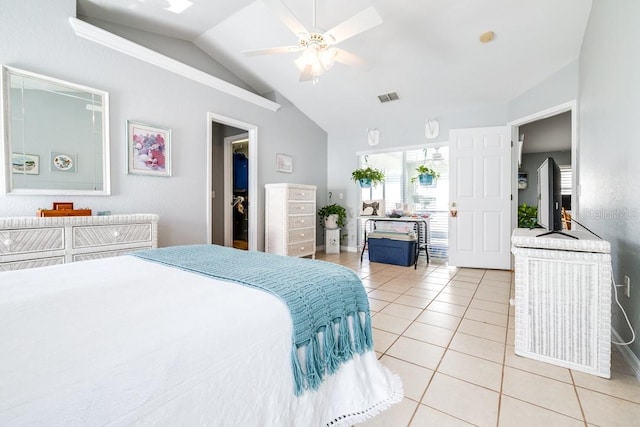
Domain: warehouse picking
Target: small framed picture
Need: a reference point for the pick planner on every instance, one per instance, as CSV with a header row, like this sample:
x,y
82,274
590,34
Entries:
x,y
372,208
63,162
149,149
27,164
522,180
284,163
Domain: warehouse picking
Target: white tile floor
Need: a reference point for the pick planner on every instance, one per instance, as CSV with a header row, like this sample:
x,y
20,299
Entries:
x,y
448,333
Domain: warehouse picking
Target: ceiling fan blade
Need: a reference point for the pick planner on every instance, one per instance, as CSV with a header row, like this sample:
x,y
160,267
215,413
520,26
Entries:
x,y
348,58
306,75
272,50
286,16
358,23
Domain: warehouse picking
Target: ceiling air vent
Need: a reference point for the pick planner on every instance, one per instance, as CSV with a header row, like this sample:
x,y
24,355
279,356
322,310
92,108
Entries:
x,y
391,96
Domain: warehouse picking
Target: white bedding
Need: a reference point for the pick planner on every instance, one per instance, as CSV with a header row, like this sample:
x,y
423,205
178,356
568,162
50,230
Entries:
x,y
122,341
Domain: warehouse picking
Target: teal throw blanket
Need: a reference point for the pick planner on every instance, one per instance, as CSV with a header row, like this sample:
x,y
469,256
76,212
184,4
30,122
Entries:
x,y
327,302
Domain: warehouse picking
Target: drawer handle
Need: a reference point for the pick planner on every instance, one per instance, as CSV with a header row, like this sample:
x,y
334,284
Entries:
x,y
302,221
8,242
302,249
301,234
116,233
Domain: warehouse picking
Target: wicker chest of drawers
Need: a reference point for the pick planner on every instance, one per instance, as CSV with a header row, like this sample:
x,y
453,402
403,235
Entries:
x,y
27,242
290,219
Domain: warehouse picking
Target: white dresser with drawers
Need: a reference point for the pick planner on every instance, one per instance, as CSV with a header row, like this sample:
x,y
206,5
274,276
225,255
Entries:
x,y
290,219
27,242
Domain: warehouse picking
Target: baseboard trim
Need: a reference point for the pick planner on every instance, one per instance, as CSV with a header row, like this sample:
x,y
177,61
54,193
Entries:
x,y
627,354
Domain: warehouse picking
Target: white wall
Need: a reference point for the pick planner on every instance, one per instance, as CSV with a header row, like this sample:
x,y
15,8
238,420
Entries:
x,y
37,36
557,89
609,149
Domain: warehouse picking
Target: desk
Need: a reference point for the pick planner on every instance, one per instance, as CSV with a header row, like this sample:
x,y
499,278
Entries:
x,y
420,227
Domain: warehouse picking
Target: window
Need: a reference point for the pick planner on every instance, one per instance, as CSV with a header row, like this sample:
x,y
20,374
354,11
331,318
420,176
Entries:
x,y
566,179
400,194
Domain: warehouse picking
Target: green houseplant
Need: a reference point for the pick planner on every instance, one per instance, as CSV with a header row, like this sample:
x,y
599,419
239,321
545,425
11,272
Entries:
x,y
334,209
367,176
426,175
527,216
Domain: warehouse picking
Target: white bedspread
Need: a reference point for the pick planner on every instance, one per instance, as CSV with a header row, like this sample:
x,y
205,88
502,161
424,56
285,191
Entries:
x,y
121,341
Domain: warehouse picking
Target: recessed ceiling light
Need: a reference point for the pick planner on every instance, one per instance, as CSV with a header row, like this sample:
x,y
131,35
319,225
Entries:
x,y
487,37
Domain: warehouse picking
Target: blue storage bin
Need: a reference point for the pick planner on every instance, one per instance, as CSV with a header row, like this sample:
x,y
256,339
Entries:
x,y
392,249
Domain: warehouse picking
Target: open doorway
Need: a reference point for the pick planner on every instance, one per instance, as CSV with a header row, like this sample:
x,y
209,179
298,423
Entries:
x,y
231,216
549,133
236,217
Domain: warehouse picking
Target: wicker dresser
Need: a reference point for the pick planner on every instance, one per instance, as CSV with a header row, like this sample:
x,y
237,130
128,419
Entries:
x,y
27,242
290,219
563,300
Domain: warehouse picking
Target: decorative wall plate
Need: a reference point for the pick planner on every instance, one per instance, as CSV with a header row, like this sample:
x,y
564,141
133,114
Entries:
x,y
63,162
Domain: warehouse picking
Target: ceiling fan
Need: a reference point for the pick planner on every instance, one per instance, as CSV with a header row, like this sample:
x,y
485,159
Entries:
x,y
317,46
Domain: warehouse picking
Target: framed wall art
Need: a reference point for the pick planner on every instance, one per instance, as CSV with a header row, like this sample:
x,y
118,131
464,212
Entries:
x,y
28,164
522,180
284,163
148,150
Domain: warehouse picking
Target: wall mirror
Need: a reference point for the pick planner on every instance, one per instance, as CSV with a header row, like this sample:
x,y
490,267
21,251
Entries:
x,y
55,138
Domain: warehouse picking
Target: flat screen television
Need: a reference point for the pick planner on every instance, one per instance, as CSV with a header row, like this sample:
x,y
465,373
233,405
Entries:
x,y
550,198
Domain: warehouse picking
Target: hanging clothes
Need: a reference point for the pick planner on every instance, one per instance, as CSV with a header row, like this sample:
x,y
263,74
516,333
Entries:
x,y
240,172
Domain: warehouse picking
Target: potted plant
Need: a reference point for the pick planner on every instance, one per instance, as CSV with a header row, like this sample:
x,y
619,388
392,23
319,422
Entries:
x,y
426,175
332,216
527,216
367,176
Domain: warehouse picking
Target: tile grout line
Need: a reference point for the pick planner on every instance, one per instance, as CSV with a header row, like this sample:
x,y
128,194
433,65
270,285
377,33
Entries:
x,y
504,360
575,390
435,370
398,337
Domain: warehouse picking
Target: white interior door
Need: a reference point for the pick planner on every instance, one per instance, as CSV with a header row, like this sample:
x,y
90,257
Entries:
x,y
480,187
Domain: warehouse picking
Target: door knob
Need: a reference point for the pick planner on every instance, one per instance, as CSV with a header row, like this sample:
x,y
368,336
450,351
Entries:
x,y
453,210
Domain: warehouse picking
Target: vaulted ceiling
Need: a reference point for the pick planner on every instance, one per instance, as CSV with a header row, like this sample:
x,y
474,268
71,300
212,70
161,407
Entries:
x,y
428,51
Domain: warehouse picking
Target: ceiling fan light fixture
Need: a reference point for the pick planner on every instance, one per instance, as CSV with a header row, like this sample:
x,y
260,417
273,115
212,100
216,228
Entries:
x,y
319,55
318,59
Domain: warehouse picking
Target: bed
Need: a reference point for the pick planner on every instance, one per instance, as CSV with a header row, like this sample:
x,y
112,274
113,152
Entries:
x,y
133,341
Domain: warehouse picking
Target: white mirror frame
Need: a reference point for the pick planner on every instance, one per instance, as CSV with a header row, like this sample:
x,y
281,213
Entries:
x,y
5,153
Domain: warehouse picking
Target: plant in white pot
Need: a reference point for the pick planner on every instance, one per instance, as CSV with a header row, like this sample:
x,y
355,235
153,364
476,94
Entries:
x,y
332,216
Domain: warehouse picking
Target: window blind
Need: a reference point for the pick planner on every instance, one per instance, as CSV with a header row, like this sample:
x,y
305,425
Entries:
x,y
566,179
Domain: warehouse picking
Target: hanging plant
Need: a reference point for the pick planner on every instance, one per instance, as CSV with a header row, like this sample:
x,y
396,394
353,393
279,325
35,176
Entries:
x,y
426,175
367,176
